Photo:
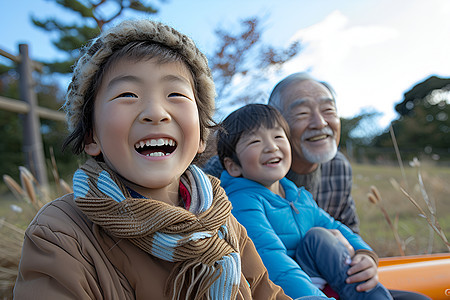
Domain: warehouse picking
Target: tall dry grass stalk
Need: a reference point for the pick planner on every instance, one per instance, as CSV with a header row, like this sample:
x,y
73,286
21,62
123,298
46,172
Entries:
x,y
429,202
433,223
431,216
16,189
397,153
11,236
375,198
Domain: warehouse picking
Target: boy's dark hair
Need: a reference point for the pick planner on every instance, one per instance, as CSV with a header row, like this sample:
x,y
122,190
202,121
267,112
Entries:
x,y
245,120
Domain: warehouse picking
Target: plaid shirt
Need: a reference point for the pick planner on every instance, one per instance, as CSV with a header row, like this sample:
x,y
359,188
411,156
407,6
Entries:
x,y
332,192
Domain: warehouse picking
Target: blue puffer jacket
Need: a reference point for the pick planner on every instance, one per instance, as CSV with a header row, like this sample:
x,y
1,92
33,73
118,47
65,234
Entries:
x,y
277,225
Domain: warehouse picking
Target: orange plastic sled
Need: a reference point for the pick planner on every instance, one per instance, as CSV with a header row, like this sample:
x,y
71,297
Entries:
x,y
426,274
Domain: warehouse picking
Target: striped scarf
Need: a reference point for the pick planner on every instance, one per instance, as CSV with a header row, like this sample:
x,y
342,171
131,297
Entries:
x,y
198,240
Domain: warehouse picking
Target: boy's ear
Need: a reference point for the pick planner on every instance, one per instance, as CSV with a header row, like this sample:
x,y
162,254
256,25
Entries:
x,y
91,146
201,146
232,167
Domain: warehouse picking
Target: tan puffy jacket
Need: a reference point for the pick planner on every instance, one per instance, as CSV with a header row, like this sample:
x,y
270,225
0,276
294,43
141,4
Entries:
x,y
66,256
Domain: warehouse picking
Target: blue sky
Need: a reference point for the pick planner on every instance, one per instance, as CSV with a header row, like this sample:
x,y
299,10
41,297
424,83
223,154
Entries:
x,y
370,51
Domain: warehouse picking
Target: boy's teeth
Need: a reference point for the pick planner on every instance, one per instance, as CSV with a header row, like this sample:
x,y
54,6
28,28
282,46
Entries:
x,y
155,142
157,154
158,142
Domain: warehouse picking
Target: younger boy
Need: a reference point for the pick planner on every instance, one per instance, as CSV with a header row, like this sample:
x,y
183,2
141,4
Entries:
x,y
143,222
284,222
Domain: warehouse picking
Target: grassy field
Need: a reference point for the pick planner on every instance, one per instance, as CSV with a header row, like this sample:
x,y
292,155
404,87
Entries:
x,y
413,229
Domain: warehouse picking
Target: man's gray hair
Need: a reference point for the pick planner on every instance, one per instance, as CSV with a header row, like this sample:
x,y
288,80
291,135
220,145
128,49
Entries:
x,y
276,99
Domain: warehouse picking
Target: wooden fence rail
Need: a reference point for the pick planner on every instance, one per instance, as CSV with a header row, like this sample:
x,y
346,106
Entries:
x,y
32,138
22,107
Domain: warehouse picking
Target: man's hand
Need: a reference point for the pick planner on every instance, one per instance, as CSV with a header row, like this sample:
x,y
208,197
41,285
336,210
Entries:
x,y
363,268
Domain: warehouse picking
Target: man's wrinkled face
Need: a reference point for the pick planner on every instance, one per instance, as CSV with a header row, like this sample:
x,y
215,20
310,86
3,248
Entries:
x,y
310,110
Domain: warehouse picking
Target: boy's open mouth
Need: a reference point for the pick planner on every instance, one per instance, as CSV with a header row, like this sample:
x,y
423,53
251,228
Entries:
x,y
272,161
156,147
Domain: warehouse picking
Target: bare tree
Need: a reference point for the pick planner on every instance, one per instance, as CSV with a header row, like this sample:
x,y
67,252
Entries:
x,y
242,61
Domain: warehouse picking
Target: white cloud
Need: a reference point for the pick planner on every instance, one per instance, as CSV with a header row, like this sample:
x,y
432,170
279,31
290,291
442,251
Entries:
x,y
335,28
329,44
372,64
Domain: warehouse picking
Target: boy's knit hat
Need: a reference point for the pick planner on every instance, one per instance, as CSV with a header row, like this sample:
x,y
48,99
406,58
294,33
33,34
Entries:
x,y
100,49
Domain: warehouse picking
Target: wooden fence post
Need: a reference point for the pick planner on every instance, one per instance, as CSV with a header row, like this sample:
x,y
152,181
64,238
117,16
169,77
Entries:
x,y
32,142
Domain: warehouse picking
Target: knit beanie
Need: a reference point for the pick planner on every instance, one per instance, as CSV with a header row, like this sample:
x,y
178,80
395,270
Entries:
x,y
96,53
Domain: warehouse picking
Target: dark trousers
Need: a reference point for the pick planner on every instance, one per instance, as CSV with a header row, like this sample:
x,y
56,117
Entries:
x,y
320,254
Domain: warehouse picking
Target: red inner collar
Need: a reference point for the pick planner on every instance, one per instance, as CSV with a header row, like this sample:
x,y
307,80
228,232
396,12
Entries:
x,y
185,196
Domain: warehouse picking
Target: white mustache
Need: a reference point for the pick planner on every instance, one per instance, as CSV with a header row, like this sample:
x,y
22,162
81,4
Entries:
x,y
313,132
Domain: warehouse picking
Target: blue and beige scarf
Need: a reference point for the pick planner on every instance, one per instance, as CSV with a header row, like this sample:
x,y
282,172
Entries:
x,y
198,240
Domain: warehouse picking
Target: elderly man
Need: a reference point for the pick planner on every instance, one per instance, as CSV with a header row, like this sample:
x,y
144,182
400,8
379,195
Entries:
x,y
310,109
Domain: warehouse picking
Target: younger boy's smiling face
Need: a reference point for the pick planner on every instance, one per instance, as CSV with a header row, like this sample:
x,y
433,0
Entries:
x,y
146,125
264,155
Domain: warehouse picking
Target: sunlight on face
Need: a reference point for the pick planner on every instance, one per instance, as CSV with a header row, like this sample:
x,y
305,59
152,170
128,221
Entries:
x,y
264,155
312,117
146,124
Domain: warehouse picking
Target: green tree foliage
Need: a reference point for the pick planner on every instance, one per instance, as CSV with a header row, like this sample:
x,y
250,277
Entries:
x,y
70,37
423,126
10,129
431,91
243,57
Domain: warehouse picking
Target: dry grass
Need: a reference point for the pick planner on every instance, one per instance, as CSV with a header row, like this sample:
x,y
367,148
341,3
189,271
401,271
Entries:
x,y
413,228
15,215
375,198
12,238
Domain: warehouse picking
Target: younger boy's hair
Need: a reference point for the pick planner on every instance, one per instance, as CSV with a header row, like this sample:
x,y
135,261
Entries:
x,y
134,40
246,120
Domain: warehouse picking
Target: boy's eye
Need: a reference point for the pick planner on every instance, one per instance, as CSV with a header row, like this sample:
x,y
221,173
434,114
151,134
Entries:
x,y
175,94
127,95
